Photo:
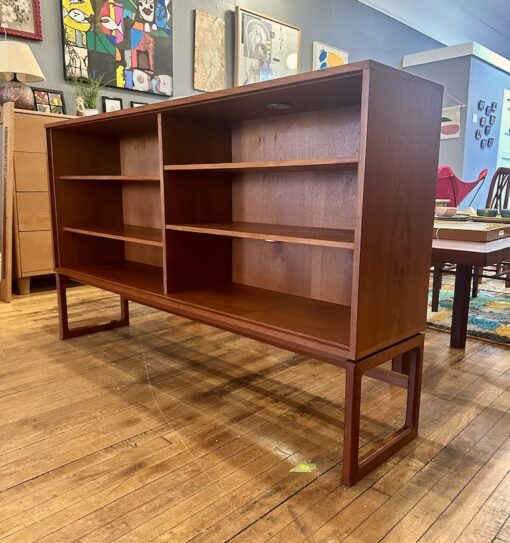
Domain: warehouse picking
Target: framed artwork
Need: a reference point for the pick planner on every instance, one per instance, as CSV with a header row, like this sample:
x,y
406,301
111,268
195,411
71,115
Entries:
x,y
265,48
22,18
450,123
483,144
487,129
481,105
128,41
492,119
49,101
483,121
478,134
324,56
111,104
209,72
138,104
488,110
490,142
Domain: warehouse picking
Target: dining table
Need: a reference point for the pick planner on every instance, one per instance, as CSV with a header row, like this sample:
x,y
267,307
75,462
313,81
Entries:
x,y
467,256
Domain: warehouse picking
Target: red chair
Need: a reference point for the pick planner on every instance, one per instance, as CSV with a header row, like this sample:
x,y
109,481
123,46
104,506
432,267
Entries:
x,y
450,187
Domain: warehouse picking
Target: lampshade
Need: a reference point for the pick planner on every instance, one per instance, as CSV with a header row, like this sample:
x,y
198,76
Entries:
x,y
17,59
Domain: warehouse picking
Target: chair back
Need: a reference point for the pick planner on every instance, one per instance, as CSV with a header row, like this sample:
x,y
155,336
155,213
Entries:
x,y
499,191
450,187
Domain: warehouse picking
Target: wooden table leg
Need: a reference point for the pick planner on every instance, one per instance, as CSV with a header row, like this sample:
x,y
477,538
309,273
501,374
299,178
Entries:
x,y
436,286
463,277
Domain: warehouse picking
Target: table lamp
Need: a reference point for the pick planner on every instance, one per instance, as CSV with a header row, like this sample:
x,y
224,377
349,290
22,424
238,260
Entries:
x,y
18,67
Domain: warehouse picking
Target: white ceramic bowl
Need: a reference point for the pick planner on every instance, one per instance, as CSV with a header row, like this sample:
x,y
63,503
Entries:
x,y
446,211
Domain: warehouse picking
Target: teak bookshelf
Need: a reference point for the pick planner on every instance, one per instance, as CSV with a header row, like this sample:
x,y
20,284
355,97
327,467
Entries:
x,y
297,212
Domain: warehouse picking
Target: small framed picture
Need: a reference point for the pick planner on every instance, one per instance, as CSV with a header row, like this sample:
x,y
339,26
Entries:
x,y
478,134
481,105
21,18
488,129
492,119
111,104
138,104
49,101
490,142
483,121
488,110
494,106
483,144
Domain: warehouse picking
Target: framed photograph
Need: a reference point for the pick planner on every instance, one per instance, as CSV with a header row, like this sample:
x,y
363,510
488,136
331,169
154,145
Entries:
x,y
209,65
111,104
22,18
49,101
138,104
478,134
483,121
324,56
481,105
490,142
129,42
488,110
492,119
494,106
265,48
450,122
488,129
483,144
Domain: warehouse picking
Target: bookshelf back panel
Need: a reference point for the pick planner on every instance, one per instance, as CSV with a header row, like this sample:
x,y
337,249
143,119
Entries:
x,y
314,134
321,273
321,200
144,254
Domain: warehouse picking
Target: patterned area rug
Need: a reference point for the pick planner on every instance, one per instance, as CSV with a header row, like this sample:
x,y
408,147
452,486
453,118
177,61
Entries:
x,y
489,313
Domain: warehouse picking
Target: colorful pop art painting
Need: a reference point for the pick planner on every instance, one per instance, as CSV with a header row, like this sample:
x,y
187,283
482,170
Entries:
x,y
325,56
128,41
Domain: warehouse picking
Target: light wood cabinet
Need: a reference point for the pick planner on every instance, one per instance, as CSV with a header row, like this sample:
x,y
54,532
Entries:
x,y
31,225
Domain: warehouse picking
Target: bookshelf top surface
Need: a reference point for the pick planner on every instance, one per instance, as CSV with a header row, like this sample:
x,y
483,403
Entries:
x,y
321,89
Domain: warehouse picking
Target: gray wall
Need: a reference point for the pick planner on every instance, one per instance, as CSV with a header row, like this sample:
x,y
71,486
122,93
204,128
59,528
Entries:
x,y
364,32
454,75
469,80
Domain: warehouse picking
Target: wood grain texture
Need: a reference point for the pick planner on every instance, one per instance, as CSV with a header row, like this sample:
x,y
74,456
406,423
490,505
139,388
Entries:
x,y
31,171
36,252
397,184
33,210
271,166
324,237
135,434
136,234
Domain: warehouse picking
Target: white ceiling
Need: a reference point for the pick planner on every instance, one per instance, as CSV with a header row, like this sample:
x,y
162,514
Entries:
x,y
454,21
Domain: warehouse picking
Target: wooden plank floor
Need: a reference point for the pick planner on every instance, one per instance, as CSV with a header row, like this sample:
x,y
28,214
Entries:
x,y
172,431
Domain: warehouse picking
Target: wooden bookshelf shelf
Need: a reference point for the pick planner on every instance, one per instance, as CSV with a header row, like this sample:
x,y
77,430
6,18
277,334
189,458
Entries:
x,y
239,174
135,275
310,318
114,178
315,164
134,234
323,237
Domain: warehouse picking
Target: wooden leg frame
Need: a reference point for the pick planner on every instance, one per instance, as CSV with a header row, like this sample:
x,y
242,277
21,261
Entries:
x,y
407,361
67,333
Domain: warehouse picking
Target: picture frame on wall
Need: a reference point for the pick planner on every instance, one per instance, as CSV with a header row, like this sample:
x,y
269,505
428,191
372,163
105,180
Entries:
x,y
481,105
21,19
111,104
129,43
325,56
478,134
134,103
209,61
49,101
265,48
492,119
490,142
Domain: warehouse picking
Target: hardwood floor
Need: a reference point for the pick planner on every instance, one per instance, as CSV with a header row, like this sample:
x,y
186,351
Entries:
x,y
173,431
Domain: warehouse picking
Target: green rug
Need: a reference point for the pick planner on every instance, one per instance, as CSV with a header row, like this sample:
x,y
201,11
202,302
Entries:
x,y
489,313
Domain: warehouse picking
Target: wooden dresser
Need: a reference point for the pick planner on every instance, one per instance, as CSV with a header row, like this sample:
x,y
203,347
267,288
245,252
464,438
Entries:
x,y
32,230
284,211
